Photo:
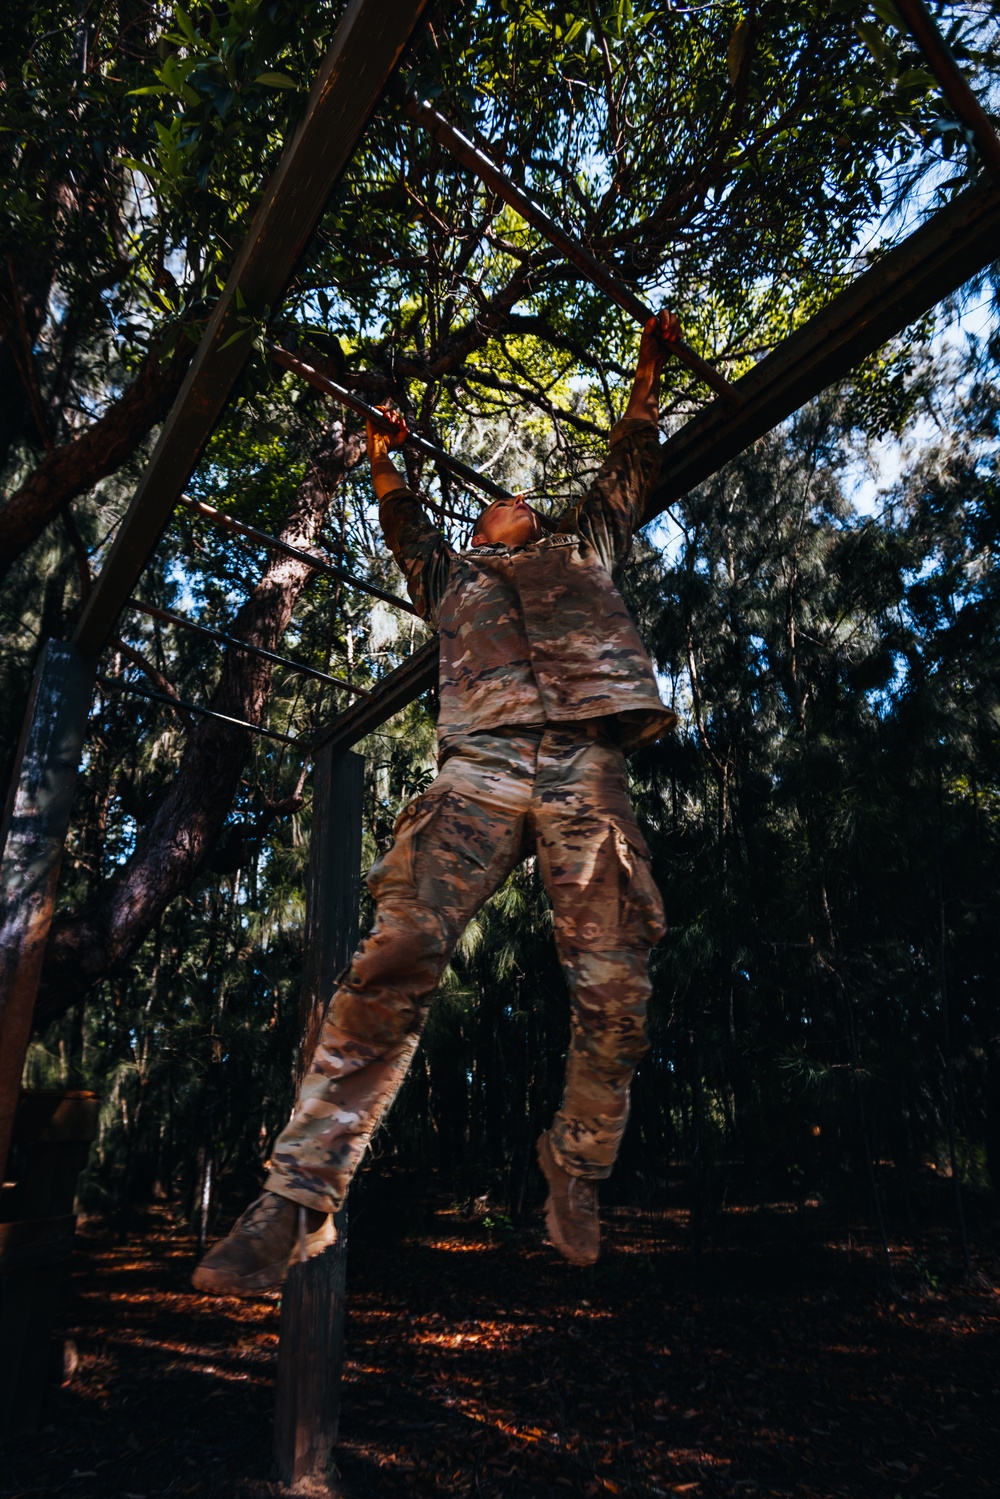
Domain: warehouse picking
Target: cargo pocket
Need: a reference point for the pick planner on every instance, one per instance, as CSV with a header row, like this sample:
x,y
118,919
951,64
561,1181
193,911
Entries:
x,y
642,917
445,852
392,874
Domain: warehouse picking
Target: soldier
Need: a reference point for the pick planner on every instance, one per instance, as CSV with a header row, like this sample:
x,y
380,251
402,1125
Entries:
x,y
544,687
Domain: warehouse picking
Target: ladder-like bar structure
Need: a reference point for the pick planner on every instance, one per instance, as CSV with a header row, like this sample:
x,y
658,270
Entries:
x,y
136,689
221,638
485,168
236,527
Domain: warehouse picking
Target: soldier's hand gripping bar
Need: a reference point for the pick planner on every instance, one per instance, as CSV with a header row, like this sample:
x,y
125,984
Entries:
x,y
486,169
320,381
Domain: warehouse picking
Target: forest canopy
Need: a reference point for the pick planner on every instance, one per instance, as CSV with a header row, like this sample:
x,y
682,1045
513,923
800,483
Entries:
x,y
823,613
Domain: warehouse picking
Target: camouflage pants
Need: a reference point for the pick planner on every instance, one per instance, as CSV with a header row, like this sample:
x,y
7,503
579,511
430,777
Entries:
x,y
559,789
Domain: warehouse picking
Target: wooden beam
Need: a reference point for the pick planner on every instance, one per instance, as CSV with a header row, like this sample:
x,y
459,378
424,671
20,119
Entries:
x,y
311,1339
34,831
938,258
364,52
400,687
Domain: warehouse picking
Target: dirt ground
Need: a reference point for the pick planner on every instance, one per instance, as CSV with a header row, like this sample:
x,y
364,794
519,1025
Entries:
x,y
478,1364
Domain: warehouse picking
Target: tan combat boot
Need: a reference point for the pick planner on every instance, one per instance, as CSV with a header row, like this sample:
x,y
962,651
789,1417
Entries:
x,y
570,1210
254,1256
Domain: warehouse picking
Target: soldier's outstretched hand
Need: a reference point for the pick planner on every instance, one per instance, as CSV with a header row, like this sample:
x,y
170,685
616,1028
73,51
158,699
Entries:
x,y
659,333
381,443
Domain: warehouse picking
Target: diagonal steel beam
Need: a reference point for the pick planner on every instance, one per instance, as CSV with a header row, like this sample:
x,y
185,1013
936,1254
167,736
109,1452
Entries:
x,y
469,155
366,47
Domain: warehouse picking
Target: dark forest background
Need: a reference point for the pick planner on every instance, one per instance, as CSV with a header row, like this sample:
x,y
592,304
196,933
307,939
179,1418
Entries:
x,y
825,612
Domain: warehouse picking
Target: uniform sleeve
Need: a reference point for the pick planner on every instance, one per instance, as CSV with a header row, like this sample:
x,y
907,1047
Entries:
x,y
420,550
613,507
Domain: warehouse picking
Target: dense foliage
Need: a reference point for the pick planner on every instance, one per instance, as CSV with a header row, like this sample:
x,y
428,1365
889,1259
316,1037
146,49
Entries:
x,y
825,822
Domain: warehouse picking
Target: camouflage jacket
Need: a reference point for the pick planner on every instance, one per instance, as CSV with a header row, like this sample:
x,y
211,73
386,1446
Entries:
x,y
539,633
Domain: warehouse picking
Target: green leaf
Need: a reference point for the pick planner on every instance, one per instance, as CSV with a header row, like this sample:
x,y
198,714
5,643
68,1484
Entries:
x,y
276,80
873,40
187,25
737,50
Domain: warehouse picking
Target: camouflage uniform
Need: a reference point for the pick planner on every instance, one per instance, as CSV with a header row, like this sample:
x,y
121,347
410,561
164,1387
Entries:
x,y
544,685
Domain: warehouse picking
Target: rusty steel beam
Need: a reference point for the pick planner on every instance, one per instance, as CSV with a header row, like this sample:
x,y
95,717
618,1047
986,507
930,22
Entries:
x,y
485,168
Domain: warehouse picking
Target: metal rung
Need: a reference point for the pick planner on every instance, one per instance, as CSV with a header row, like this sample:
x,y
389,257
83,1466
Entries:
x,y
244,645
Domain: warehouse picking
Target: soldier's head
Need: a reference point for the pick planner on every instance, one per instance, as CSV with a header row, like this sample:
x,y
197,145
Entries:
x,y
510,523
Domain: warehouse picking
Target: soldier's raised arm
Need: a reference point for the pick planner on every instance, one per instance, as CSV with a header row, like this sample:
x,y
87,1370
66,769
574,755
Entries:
x,y
419,548
612,508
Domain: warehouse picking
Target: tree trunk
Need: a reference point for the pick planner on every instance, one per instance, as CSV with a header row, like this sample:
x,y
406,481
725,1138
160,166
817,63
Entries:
x,y
84,947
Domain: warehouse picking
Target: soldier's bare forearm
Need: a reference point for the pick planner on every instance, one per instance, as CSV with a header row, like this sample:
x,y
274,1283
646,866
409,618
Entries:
x,y
385,476
658,334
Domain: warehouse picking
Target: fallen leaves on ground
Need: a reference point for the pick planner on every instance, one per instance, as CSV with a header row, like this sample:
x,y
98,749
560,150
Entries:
x,y
777,1368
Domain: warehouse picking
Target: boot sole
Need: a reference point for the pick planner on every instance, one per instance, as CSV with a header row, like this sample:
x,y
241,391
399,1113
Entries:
x,y
222,1282
569,1251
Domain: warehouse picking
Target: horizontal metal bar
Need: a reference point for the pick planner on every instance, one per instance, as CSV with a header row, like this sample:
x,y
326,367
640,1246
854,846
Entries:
x,y
243,645
240,528
372,414
396,689
469,155
954,84
134,690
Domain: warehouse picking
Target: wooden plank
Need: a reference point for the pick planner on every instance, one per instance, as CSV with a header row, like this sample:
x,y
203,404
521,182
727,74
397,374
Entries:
x,y
311,1340
366,47
34,830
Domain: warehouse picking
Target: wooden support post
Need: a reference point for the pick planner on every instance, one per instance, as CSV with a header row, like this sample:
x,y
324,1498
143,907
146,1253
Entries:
x,y
34,829
311,1343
